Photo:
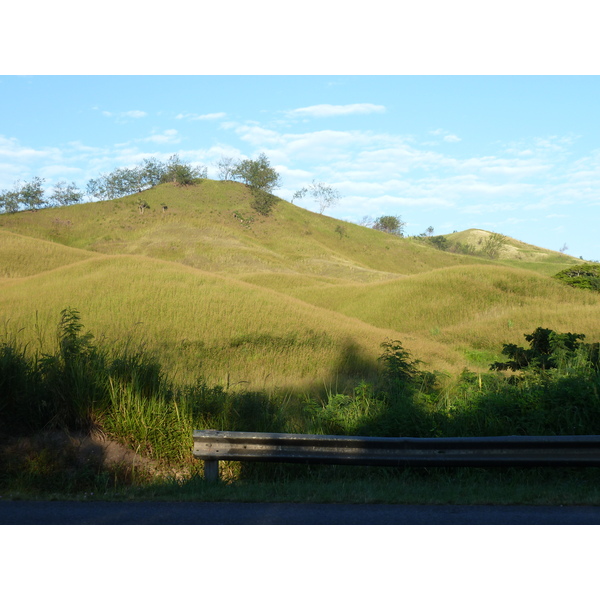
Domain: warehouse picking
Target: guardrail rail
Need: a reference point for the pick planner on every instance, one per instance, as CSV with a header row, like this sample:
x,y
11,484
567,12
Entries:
x,y
211,446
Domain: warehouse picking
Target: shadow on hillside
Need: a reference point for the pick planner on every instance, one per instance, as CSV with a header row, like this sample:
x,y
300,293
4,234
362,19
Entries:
x,y
353,364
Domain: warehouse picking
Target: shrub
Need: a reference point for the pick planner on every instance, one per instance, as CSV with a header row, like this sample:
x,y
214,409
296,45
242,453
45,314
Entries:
x,y
585,276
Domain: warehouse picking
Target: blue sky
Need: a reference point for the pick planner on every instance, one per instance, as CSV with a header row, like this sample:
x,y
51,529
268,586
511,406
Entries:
x,y
450,115
519,155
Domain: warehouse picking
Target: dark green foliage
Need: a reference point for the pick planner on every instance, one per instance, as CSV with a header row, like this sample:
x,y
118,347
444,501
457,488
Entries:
x,y
586,276
464,248
390,224
547,350
263,202
70,388
181,173
440,242
9,201
262,179
398,363
20,385
258,174
151,172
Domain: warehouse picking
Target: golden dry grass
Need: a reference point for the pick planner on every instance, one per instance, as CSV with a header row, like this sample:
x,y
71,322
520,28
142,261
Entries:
x,y
291,300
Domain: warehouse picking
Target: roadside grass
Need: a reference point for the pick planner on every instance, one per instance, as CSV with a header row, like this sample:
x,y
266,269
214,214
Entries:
x,y
409,486
125,392
370,485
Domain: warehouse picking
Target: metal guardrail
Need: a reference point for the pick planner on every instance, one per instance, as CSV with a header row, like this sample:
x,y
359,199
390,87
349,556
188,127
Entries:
x,y
211,446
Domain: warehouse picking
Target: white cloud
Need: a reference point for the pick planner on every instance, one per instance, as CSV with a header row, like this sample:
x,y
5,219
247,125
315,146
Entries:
x,y
335,110
11,149
206,117
169,136
448,136
121,116
488,207
59,172
503,166
134,114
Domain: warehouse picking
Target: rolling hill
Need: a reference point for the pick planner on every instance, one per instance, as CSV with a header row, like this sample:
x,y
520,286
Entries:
x,y
294,300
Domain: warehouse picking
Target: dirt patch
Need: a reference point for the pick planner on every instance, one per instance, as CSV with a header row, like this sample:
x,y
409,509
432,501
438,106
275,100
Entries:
x,y
78,451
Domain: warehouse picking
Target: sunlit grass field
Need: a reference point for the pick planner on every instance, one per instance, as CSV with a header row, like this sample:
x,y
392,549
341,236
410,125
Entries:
x,y
294,300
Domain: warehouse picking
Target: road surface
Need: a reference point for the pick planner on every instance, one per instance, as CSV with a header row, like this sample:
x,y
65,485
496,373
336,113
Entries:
x,y
229,513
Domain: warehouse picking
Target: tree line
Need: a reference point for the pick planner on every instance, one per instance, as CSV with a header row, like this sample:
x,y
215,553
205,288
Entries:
x,y
108,186
257,174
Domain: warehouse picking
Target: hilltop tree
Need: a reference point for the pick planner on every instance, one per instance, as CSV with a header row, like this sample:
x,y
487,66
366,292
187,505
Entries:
x,y
182,173
325,195
9,201
126,181
66,194
29,194
120,182
257,174
151,172
390,224
226,166
262,179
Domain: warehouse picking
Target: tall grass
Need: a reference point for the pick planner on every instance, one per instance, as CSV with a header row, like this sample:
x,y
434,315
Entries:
x,y
198,323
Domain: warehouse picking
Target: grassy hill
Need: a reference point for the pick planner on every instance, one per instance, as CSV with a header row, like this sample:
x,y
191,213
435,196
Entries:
x,y
516,253
295,300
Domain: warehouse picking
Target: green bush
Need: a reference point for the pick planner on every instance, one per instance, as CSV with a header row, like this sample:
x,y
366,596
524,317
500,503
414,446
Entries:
x,y
586,276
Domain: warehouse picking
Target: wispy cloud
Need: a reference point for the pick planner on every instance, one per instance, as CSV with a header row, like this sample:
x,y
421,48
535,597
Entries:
x,y
446,135
11,149
206,117
169,136
124,115
335,110
134,114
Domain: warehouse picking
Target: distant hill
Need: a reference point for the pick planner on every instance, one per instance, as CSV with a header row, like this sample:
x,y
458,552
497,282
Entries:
x,y
516,252
295,299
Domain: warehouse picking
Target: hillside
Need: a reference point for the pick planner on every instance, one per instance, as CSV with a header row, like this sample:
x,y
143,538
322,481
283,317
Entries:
x,y
292,300
516,253
212,227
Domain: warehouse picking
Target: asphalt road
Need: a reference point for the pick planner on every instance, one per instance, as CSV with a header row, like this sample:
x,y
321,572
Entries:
x,y
228,513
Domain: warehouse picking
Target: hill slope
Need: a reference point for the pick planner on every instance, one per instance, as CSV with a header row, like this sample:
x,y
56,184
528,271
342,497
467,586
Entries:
x,y
212,227
295,299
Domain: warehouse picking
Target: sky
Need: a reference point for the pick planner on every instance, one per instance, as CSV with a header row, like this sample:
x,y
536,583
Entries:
x,y
518,155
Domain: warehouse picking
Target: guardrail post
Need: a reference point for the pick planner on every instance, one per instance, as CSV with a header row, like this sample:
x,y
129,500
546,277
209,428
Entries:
x,y
211,470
